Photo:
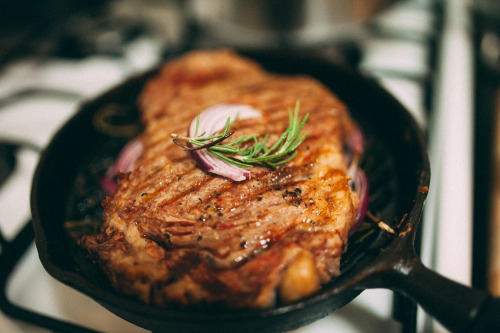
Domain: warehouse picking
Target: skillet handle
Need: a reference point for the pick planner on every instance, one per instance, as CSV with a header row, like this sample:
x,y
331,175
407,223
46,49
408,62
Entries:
x,y
457,307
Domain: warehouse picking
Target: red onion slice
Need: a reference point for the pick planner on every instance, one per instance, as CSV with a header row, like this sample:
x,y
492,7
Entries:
x,y
209,122
355,140
361,187
358,180
123,164
128,156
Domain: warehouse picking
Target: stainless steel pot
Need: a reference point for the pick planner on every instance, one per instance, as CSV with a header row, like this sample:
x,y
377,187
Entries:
x,y
265,23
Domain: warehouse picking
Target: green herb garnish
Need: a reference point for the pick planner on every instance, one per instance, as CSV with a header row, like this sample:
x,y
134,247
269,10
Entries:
x,y
249,150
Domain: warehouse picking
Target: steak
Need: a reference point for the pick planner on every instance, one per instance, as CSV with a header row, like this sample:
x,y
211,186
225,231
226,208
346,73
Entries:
x,y
174,234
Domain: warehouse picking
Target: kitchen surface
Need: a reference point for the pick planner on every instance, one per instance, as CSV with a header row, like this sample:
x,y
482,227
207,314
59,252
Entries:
x,y
419,50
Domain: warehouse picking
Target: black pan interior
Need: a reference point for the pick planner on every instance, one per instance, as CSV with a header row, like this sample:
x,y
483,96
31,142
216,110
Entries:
x,y
66,188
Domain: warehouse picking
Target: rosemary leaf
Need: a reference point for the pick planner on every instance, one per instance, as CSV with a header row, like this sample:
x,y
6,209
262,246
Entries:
x,y
248,150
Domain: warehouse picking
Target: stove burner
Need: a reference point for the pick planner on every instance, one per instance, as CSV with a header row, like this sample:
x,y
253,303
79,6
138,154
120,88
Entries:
x,y
7,165
12,251
7,161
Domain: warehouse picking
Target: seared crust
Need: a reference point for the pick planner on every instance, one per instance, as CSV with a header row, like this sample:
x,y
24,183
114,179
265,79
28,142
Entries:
x,y
173,233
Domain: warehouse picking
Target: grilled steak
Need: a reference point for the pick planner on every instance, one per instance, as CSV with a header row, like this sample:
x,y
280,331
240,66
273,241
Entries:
x,y
175,234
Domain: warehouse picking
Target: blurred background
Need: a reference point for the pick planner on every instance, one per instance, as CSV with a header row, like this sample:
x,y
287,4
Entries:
x,y
440,58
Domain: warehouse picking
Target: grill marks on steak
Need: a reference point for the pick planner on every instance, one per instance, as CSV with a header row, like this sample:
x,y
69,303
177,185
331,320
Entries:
x,y
173,233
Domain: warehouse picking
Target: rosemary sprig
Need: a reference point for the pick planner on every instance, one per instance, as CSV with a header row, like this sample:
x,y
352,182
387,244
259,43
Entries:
x,y
249,150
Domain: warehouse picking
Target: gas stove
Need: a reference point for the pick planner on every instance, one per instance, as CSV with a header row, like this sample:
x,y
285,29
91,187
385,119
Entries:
x,y
407,47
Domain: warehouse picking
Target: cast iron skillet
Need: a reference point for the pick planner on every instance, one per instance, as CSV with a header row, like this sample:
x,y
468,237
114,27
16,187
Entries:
x,y
66,188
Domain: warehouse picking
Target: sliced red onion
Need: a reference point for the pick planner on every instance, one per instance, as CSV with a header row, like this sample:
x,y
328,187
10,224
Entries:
x,y
128,156
358,180
108,184
123,164
355,140
361,187
213,120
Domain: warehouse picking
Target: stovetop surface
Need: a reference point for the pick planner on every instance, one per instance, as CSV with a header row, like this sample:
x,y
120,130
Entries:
x,y
39,93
